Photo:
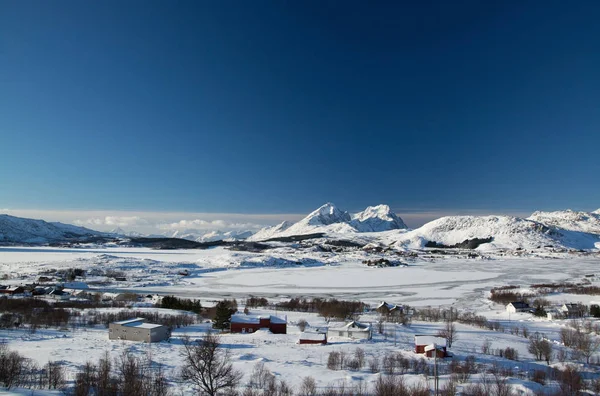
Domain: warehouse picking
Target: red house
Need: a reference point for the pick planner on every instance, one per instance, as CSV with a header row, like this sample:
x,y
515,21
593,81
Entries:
x,y
422,341
241,323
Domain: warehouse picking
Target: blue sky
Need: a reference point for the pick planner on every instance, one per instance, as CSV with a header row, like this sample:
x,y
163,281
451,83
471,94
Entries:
x,y
270,107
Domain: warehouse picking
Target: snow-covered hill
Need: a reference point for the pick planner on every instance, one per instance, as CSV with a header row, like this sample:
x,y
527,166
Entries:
x,y
328,219
570,220
21,230
506,232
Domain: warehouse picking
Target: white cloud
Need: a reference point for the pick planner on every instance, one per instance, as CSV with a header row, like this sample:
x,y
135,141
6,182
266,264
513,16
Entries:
x,y
157,222
199,224
114,221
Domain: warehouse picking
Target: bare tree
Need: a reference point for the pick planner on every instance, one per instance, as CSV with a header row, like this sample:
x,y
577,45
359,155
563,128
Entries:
x,y
208,367
448,332
55,375
588,345
570,381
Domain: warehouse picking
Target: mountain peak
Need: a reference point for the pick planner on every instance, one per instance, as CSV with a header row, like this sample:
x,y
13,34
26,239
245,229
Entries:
x,y
325,215
377,218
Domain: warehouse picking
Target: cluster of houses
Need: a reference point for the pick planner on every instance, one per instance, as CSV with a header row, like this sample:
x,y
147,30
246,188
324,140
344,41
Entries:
x,y
565,311
137,329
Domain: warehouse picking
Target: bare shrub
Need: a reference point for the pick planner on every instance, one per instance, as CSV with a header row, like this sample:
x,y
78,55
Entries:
x,y
539,376
308,387
302,323
511,353
333,360
359,356
485,347
570,381
374,364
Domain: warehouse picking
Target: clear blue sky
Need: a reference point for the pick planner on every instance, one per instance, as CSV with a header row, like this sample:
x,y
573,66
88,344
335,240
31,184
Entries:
x,y
280,106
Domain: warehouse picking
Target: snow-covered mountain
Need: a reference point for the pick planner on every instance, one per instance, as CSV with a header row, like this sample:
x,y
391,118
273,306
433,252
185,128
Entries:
x,y
270,232
570,220
20,230
377,218
224,236
121,232
506,232
328,219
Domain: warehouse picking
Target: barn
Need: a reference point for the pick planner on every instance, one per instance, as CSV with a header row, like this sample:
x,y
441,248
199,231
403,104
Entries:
x,y
422,341
242,323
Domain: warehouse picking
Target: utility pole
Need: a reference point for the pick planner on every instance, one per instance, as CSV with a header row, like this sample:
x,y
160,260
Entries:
x,y
435,370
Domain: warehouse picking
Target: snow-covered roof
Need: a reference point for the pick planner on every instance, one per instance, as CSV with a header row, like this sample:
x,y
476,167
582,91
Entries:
x,y
143,325
519,304
353,326
429,339
129,321
389,306
255,319
313,336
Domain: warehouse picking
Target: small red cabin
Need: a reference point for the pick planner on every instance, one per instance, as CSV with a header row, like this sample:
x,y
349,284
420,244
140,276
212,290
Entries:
x,y
422,341
241,323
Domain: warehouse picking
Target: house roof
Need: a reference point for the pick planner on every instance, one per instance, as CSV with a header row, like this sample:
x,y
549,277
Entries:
x,y
519,304
130,321
255,319
143,325
313,336
429,339
353,326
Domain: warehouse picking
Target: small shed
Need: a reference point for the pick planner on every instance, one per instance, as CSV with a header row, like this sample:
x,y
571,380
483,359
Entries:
x,y
310,337
517,306
137,330
354,330
424,343
242,323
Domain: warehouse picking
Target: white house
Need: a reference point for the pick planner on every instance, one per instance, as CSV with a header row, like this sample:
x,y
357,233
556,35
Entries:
x,y
517,306
355,330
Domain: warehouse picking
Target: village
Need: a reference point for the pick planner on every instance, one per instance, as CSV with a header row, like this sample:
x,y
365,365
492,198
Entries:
x,y
327,345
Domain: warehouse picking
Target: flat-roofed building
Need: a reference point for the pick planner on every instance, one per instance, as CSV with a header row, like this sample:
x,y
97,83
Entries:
x,y
137,330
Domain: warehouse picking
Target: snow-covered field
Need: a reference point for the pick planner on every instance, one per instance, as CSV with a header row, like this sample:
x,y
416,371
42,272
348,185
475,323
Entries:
x,y
286,272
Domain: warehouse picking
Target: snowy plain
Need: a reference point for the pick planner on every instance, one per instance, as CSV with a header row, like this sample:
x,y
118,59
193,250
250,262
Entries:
x,y
282,273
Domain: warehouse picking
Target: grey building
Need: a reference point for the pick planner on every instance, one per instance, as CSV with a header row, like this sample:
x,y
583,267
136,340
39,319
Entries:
x,y
137,330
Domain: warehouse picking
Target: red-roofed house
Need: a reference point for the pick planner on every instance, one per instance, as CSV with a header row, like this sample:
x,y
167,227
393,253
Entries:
x,y
241,323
